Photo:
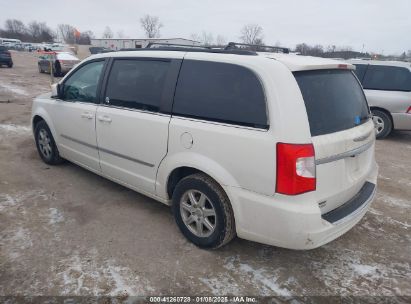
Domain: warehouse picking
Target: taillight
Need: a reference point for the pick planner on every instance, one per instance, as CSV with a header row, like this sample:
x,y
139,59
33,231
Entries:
x,y
409,110
295,168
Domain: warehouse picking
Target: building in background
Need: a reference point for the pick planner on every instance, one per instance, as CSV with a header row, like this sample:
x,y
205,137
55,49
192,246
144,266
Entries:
x,y
126,43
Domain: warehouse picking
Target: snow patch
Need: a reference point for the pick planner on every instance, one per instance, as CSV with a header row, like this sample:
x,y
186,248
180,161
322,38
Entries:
x,y
268,283
82,275
15,128
221,285
55,216
14,89
365,270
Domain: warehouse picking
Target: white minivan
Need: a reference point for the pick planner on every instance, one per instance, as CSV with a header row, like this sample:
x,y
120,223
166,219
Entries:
x,y
273,148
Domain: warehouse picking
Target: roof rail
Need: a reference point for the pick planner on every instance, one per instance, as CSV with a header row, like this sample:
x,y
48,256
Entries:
x,y
190,48
153,45
257,47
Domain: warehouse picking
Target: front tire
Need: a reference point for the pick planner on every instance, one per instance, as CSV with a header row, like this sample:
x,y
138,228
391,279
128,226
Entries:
x,y
382,122
46,146
203,211
10,65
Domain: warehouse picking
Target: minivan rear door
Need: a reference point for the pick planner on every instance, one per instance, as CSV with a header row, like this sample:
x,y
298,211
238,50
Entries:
x,y
342,133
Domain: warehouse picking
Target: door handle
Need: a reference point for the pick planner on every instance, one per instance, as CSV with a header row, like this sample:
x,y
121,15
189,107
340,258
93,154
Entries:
x,y
87,115
104,118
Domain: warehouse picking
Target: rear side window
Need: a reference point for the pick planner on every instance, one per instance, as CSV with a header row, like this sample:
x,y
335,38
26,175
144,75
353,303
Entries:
x,y
334,100
360,71
389,78
220,92
137,84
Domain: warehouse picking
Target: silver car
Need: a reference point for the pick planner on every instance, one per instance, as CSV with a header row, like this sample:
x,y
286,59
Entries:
x,y
61,62
387,86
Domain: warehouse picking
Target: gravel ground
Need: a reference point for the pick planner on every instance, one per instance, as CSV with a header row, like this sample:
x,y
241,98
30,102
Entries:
x,y
66,231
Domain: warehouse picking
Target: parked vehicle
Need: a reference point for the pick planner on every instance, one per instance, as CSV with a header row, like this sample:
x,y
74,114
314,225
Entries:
x,y
273,148
62,62
5,57
387,85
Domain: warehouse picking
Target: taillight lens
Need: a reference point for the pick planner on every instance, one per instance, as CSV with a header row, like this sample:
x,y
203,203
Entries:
x,y
409,110
295,168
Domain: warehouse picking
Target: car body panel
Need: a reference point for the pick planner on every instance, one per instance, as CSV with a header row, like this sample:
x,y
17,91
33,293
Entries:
x,y
140,150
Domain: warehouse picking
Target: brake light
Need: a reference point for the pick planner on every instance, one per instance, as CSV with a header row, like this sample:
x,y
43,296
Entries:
x,y
343,66
409,110
295,168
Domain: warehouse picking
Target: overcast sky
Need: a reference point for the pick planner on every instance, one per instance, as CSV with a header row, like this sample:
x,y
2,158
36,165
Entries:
x,y
381,25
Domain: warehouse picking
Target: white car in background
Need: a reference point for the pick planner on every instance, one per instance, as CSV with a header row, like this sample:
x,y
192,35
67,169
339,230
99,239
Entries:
x,y
387,85
273,148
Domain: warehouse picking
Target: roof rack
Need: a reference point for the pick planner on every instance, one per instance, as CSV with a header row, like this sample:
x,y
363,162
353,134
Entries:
x,y
257,47
155,46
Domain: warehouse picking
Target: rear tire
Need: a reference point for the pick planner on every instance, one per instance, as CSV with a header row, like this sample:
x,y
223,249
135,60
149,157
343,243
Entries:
x,y
203,211
46,146
40,70
10,65
382,122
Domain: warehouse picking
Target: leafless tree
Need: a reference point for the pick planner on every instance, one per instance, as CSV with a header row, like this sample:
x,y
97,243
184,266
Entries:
x,y
66,33
14,28
40,32
252,34
85,37
205,38
108,33
151,25
220,40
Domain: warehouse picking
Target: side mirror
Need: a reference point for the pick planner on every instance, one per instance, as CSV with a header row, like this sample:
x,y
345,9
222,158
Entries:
x,y
56,90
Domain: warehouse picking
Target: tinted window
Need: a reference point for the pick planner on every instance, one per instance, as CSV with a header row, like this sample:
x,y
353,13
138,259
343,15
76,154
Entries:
x,y
220,92
334,100
388,78
82,84
360,71
137,84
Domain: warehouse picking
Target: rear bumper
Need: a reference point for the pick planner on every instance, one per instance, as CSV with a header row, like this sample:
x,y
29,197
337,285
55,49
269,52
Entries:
x,y
5,60
296,222
402,121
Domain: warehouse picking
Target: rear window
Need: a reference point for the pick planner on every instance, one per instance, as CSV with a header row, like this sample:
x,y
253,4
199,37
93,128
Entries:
x,y
388,78
334,100
220,92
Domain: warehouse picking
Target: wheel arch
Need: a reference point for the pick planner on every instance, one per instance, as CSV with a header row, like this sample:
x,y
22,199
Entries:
x,y
386,112
174,168
40,115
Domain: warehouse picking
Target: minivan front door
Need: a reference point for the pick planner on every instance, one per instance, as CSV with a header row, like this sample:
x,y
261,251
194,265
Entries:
x,y
132,131
74,116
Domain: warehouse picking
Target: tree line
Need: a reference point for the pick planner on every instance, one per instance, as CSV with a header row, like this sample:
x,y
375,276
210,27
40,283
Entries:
x,y
36,31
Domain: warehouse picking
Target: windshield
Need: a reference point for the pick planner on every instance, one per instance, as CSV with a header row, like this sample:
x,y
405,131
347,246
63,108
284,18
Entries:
x,y
334,100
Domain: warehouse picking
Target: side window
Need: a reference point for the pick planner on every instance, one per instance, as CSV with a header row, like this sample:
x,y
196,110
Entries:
x,y
220,92
388,78
137,84
360,71
82,85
